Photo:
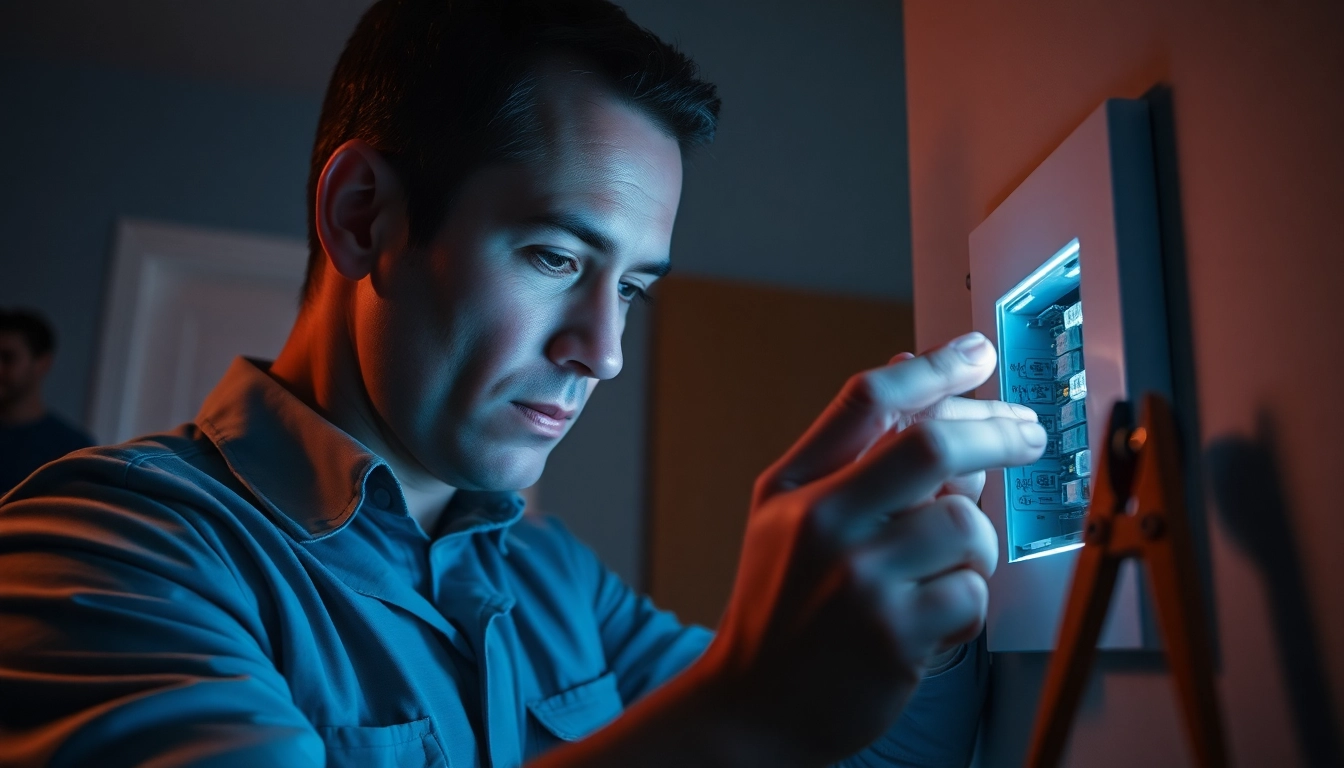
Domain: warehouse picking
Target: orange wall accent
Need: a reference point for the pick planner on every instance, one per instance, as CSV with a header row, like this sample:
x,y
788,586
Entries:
x,y
1259,159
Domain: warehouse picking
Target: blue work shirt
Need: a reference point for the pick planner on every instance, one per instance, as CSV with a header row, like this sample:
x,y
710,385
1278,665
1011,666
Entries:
x,y
249,590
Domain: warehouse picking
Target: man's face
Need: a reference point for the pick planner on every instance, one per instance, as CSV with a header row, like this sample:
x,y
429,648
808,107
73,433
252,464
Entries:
x,y
20,372
480,352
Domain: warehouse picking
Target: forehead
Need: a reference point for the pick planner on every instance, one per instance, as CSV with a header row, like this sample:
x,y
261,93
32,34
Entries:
x,y
590,132
601,160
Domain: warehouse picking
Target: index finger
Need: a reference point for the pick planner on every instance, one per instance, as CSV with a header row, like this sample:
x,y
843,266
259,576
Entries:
x,y
913,464
870,404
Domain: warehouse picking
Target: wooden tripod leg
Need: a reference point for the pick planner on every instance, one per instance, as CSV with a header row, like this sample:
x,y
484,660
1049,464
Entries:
x,y
1185,633
1089,598
1169,553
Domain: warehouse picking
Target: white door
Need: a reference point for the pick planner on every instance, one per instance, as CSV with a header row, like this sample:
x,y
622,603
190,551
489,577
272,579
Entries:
x,y
181,304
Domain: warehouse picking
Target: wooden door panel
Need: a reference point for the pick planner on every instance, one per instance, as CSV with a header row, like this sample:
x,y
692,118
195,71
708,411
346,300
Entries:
x,y
739,371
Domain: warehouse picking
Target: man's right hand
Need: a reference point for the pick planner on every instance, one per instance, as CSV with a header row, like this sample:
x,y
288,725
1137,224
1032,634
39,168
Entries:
x,y
863,557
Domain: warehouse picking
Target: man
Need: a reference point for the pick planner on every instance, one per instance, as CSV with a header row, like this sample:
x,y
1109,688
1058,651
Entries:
x,y
30,434
329,566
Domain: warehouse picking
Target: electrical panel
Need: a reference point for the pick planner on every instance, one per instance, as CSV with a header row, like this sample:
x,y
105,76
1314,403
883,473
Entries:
x,y
1066,279
1042,365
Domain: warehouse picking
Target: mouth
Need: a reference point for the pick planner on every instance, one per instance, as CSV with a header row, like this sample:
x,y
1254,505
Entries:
x,y
544,418
546,409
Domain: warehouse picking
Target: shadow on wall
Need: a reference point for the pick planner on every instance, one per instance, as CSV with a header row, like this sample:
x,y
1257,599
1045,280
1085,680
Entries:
x,y
1181,338
1248,491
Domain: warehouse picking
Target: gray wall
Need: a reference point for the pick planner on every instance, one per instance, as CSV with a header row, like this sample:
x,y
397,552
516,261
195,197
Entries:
x,y
85,146
806,186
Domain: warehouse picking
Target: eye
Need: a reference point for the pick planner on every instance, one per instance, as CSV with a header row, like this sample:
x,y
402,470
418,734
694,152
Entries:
x,y
631,293
555,263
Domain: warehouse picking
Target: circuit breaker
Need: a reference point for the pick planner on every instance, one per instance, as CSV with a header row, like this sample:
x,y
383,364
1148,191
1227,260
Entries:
x,y
1043,366
1066,279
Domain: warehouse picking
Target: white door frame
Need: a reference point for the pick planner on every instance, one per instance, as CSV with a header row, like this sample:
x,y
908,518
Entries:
x,y
143,252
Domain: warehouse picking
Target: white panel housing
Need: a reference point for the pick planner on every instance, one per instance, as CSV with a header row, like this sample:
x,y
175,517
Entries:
x,y
1097,188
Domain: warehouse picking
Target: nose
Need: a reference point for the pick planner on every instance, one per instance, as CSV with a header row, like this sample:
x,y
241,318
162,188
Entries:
x,y
589,339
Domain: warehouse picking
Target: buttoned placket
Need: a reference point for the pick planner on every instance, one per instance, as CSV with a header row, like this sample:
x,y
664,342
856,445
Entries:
x,y
464,595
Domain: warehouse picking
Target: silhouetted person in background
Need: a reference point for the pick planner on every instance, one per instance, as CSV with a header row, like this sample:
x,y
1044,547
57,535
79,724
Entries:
x,y
30,435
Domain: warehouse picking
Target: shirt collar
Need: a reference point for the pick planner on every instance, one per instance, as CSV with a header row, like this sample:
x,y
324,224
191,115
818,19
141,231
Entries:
x,y
307,473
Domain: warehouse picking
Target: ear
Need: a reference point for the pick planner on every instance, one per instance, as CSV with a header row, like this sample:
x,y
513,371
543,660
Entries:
x,y
361,209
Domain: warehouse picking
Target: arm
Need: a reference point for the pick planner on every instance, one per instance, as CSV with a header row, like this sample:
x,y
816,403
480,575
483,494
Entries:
x,y
125,639
645,647
864,557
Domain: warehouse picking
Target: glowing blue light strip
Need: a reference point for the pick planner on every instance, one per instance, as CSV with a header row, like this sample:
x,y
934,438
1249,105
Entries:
x,y
1035,555
1035,277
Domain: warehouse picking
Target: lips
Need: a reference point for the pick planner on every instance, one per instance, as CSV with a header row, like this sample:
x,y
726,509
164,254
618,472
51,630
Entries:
x,y
554,411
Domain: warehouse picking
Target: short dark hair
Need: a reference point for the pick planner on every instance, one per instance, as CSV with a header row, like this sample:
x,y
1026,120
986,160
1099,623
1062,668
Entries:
x,y
443,87
34,328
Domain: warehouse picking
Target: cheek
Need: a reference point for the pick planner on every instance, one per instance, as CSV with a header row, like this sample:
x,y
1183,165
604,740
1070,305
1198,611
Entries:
x,y
502,331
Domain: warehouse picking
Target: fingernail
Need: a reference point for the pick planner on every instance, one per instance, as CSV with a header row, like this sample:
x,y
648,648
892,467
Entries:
x,y
973,347
1033,434
1023,412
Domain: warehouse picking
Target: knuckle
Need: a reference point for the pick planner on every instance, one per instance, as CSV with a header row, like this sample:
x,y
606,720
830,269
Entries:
x,y
943,409
974,593
863,390
979,546
977,595
859,574
963,593
961,512
927,444
817,517
766,485
963,536
1010,436
944,363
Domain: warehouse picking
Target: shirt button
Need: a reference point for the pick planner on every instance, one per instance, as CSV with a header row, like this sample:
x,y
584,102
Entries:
x,y
381,498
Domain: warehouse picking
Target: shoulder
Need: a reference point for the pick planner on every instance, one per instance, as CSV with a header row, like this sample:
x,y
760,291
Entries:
x,y
155,493
110,466
151,516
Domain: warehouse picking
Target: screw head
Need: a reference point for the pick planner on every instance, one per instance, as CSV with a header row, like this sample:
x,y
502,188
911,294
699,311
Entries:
x,y
1096,532
1137,439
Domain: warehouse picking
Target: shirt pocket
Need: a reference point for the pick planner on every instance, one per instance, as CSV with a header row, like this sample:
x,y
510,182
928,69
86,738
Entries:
x,y
574,713
383,746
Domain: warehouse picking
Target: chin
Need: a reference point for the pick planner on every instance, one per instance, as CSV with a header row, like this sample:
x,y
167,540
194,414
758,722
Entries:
x,y
508,469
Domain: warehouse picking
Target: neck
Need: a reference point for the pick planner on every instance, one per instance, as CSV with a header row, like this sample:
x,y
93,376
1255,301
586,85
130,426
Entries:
x,y
320,366
23,409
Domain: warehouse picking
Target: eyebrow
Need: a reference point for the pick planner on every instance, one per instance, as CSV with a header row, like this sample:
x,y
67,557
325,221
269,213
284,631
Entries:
x,y
582,227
